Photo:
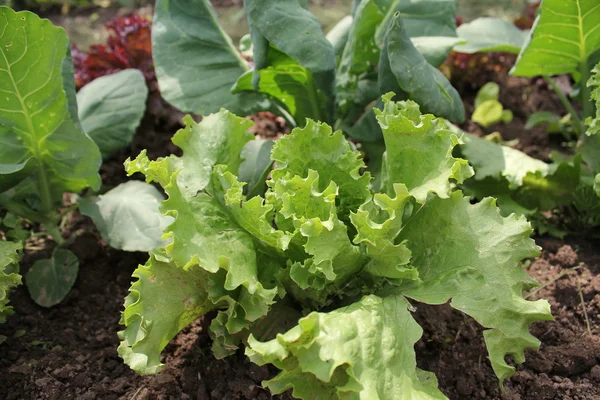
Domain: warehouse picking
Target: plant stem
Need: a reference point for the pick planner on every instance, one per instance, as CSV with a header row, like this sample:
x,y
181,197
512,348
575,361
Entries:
x,y
567,104
588,107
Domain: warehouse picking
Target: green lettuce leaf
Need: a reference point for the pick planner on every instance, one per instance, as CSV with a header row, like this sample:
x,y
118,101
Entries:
x,y
418,151
316,147
471,255
386,258
372,357
211,217
163,300
9,275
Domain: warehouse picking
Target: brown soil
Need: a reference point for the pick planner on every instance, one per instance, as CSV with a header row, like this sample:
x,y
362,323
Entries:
x,y
69,351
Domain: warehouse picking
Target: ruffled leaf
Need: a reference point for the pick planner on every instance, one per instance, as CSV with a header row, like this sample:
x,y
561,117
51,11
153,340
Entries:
x,y
317,148
9,276
163,300
418,151
372,357
471,255
378,224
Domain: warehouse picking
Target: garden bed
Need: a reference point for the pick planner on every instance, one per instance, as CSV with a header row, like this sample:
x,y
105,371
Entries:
x,y
69,351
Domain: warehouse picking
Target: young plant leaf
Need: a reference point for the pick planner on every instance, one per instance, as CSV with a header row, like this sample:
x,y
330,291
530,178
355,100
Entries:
x,y
404,67
41,137
489,91
128,216
9,275
111,108
321,361
316,147
50,280
490,34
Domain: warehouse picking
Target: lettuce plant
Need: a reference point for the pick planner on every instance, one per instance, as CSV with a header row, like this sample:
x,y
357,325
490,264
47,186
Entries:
x,y
316,275
46,151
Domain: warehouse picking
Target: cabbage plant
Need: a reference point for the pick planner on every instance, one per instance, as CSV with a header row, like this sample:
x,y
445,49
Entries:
x,y
319,275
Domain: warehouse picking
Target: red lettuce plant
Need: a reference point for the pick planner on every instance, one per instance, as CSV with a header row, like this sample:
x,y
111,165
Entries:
x,y
128,46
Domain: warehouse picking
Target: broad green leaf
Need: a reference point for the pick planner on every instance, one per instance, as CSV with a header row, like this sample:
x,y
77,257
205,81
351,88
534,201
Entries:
x,y
418,151
50,280
435,49
196,63
564,35
421,17
488,113
472,256
111,108
520,183
256,165
293,30
372,357
9,275
359,61
128,216
163,300
597,185
316,147
292,85
493,160
38,131
412,73
490,34
489,91
385,258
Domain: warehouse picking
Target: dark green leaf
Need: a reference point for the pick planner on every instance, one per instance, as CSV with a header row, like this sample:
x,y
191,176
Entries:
x,y
196,63
50,280
414,75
